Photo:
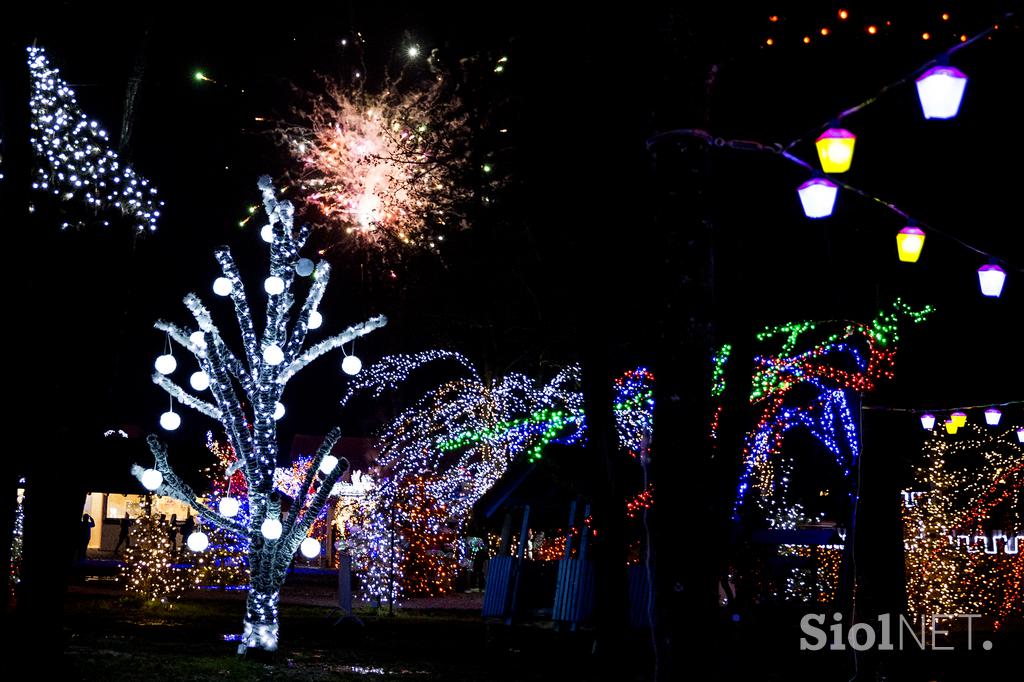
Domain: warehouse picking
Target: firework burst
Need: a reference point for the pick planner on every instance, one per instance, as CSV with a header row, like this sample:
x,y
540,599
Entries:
x,y
383,171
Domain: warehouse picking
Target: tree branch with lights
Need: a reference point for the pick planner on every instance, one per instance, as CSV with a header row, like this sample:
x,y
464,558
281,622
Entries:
x,y
246,392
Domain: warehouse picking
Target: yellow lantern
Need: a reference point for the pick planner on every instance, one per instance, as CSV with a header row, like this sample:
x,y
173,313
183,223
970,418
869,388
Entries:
x,y
958,418
835,149
951,426
909,242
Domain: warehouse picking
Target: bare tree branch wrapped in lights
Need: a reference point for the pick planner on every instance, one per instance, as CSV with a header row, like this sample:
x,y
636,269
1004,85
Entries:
x,y
246,400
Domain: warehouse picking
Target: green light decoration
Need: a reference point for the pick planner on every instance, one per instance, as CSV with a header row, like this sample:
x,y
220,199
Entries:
x,y
718,361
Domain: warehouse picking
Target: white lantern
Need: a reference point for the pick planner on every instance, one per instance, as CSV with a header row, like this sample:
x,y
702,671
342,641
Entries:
x,y
992,416
315,320
199,380
327,464
928,421
273,285
278,410
271,529
152,479
228,506
165,364
991,278
267,233
197,541
941,89
273,355
1020,435
304,268
818,197
222,286
198,339
351,365
170,420
310,548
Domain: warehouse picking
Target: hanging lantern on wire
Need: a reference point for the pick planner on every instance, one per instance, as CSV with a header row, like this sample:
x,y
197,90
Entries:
x,y
197,541
991,278
818,197
951,426
992,416
941,89
835,149
959,418
928,421
909,242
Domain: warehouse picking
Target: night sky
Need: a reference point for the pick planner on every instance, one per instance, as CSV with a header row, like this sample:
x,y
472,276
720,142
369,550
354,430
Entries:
x,y
574,234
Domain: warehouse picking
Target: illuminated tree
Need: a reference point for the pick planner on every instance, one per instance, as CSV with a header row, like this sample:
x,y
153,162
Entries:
x,y
247,391
148,568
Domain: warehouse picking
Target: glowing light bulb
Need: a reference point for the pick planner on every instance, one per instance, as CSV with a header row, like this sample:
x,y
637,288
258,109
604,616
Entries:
x,y
327,464
351,365
928,421
267,233
940,90
228,506
304,267
273,355
152,479
278,410
909,242
197,541
200,380
222,286
273,285
818,197
165,364
198,339
835,149
271,529
310,548
170,420
315,320
992,416
991,278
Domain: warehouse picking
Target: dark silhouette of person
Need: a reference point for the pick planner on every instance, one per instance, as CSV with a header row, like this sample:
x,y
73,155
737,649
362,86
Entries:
x,y
186,530
172,531
126,525
85,534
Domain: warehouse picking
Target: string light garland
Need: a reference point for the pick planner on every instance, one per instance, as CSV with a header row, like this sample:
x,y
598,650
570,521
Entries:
x,y
77,159
224,563
963,526
246,390
148,569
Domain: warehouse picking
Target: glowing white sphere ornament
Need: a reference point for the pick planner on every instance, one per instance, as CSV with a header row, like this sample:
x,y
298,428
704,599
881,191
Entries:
x,y
273,355
315,320
991,277
941,89
992,416
267,233
328,464
818,197
222,286
304,267
278,411
152,479
351,365
310,548
197,541
198,339
228,506
170,420
199,381
165,364
271,529
273,285
928,421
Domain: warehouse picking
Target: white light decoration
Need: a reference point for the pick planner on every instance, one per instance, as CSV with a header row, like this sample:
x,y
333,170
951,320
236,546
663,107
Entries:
x,y
328,464
165,364
77,158
273,285
928,421
315,320
222,286
246,393
1020,435
991,278
228,506
267,233
198,541
170,420
992,416
198,339
152,479
278,410
310,548
304,268
273,355
200,380
351,365
940,90
818,197
271,529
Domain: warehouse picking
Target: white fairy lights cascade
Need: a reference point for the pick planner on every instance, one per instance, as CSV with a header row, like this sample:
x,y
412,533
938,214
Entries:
x,y
246,390
77,158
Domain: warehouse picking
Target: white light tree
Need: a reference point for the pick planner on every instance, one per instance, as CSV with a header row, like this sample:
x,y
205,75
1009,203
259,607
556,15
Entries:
x,y
246,394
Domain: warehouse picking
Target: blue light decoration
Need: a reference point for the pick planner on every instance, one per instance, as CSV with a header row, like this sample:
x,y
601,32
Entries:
x,y
825,369
77,158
